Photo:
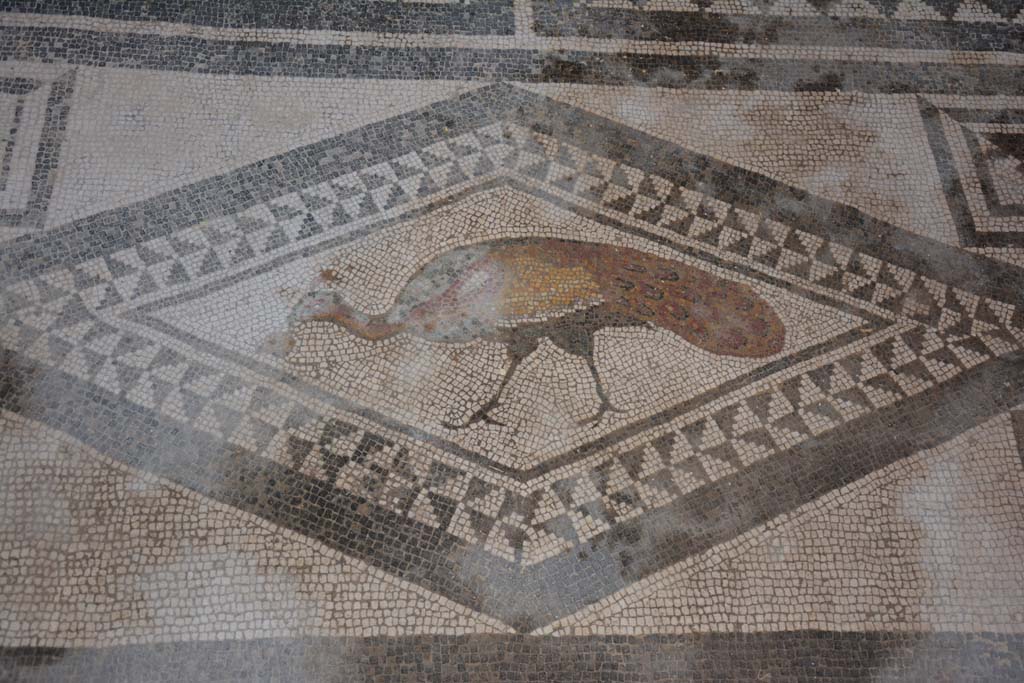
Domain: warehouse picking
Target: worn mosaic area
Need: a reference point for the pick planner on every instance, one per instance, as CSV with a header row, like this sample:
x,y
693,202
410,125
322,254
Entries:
x,y
512,340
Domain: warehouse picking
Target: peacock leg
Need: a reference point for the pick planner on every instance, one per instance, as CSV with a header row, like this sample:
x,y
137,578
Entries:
x,y
602,395
518,350
578,339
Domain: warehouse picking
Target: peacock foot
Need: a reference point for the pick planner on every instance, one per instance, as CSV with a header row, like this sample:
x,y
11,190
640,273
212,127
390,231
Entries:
x,y
605,407
481,415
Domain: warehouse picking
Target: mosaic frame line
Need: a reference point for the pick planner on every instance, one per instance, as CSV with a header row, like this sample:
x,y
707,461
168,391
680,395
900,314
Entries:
x,y
1017,416
837,655
556,18
78,47
553,18
47,156
477,17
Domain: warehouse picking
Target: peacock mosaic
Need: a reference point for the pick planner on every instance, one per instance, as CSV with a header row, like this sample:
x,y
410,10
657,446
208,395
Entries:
x,y
589,341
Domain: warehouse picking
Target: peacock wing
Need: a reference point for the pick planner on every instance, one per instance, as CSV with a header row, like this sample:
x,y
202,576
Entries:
x,y
546,279
714,313
471,292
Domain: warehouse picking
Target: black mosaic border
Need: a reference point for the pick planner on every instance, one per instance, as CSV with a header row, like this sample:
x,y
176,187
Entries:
x,y
115,229
952,184
558,18
708,516
51,138
484,658
288,59
475,17
16,85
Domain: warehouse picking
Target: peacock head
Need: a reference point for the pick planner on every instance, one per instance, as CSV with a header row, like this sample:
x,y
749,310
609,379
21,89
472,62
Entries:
x,y
328,306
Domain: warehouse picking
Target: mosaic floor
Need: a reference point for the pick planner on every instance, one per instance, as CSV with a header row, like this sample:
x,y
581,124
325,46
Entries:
x,y
512,340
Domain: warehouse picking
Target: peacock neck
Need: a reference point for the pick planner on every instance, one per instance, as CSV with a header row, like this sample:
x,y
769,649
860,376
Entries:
x,y
369,327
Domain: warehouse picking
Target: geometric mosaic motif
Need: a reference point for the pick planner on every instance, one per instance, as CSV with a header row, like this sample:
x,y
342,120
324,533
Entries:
x,y
979,155
33,113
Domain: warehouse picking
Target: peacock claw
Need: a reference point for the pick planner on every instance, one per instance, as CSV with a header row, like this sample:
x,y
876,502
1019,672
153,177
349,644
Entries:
x,y
482,415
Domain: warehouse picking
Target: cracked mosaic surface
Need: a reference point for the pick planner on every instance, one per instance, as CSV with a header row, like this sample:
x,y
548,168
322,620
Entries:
x,y
470,341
